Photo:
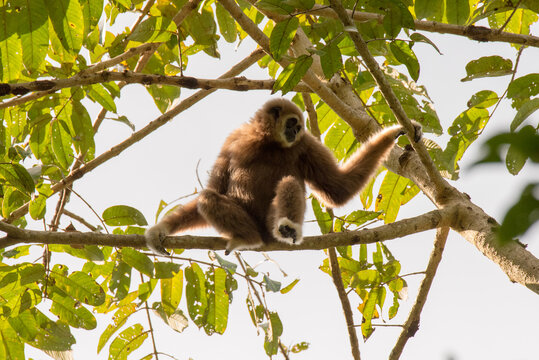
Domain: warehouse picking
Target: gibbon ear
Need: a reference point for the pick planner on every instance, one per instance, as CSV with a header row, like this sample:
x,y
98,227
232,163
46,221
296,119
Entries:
x,y
275,111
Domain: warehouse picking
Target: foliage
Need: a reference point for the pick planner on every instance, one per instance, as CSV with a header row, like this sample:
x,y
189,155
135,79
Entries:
x,y
44,139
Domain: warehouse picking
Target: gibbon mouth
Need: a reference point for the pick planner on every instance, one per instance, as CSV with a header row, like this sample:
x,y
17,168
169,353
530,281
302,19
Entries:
x,y
292,129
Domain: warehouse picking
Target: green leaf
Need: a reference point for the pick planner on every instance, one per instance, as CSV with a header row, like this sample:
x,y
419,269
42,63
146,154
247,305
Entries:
x,y
390,196
72,313
331,59
42,333
282,35
80,286
273,332
67,24
483,99
201,26
195,292
38,207
394,308
322,218
365,278
11,348
418,37
34,30
99,93
154,30
271,285
523,87
457,11
397,16
521,216
82,130
121,215
227,265
17,176
137,260
488,66
292,74
171,292
289,287
61,145
128,341
526,141
340,140
275,6
120,280
515,160
428,9
360,217
525,110
406,56
227,24
164,95
146,289
119,319
217,315
10,45
368,313
166,270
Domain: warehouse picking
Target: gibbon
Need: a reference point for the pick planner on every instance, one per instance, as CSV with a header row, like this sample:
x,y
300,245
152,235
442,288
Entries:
x,y
256,190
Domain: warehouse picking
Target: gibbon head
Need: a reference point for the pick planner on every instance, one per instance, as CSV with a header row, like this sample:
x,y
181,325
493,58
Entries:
x,y
283,120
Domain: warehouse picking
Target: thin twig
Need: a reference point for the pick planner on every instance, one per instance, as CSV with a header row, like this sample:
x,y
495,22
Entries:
x,y
345,302
510,16
411,325
79,219
152,335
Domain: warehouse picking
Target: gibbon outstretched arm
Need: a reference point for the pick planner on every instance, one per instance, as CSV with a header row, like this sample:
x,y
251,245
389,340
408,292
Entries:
x,y
334,184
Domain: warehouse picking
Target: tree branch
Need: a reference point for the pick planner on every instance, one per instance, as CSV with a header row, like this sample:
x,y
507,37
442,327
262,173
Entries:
x,y
412,323
479,33
142,133
401,228
129,77
391,98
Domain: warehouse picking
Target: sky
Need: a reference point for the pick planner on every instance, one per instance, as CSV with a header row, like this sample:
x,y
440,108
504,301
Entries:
x,y
473,311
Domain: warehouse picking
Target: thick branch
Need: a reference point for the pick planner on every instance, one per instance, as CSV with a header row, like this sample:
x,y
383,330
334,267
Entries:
x,y
478,33
129,77
142,133
427,221
412,323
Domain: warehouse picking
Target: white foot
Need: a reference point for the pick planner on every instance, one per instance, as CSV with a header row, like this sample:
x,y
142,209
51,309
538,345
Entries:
x,y
288,231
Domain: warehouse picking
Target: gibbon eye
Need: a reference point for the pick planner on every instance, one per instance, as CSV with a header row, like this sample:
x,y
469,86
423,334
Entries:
x,y
275,112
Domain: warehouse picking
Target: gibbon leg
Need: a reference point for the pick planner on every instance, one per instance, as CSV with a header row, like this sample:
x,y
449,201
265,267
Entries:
x,y
230,220
183,217
287,210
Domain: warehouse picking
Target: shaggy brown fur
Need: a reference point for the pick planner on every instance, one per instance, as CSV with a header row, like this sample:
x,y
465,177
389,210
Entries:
x,y
256,190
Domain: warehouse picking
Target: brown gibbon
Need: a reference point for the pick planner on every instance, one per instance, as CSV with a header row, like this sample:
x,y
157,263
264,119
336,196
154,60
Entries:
x,y
256,190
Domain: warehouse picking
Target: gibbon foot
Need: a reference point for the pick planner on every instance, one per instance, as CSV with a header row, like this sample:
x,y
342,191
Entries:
x,y
288,231
155,236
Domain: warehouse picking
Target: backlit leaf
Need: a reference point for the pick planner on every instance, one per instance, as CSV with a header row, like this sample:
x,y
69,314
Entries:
x,y
154,29
121,215
282,35
488,66
292,74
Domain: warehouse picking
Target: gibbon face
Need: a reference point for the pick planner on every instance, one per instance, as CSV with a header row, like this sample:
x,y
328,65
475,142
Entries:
x,y
284,120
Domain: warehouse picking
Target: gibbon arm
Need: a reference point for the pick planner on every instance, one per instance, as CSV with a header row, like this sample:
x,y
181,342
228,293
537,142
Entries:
x,y
335,185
